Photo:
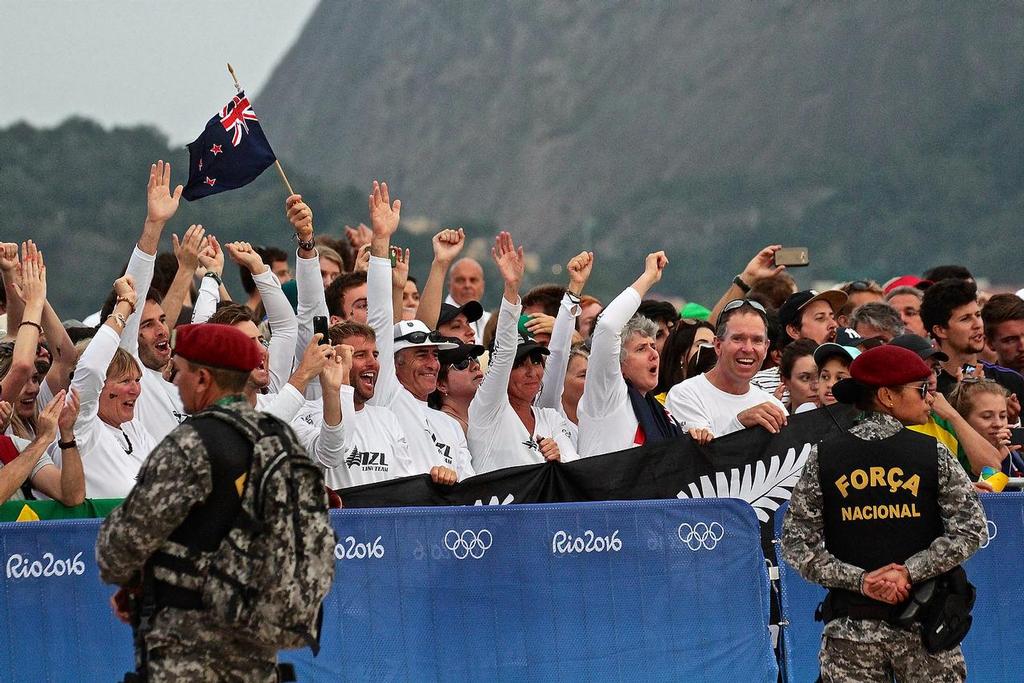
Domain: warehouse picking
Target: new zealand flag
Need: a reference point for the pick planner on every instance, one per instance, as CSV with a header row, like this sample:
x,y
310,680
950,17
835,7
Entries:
x,y
229,153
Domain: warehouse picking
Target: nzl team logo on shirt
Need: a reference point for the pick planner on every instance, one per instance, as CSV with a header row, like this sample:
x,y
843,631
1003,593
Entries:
x,y
366,461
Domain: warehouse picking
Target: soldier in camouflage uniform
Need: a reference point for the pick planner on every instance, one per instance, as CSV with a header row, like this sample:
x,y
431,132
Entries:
x,y
176,480
922,518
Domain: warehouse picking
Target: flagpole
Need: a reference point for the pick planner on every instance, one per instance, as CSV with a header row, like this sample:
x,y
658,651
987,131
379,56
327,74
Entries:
x,y
277,164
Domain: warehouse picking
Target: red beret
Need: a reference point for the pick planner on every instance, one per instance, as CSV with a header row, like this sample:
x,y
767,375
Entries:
x,y
888,366
216,346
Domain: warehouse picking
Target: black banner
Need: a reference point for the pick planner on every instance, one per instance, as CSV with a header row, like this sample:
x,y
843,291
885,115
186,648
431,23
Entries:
x,y
752,464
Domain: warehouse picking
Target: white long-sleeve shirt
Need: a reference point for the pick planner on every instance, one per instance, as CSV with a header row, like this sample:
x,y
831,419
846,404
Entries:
x,y
309,286
284,328
606,419
560,346
366,447
159,405
497,437
434,438
111,456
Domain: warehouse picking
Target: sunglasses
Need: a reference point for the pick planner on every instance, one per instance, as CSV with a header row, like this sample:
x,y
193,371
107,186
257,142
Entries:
x,y
859,286
418,337
464,363
922,389
737,303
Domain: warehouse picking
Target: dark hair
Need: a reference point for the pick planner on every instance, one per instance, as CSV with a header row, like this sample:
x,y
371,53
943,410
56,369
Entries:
x,y
165,267
773,291
229,380
672,365
940,299
230,313
413,280
999,309
336,291
548,297
955,272
659,311
350,328
794,352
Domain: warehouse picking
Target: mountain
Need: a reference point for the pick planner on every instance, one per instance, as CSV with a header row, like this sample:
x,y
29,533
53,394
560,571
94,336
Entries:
x,y
707,128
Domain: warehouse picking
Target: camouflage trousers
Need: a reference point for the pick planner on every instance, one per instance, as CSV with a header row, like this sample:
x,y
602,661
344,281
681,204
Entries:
x,y
903,659
173,664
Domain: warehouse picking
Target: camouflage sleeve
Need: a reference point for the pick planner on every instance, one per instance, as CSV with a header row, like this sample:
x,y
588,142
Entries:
x,y
173,479
803,535
962,517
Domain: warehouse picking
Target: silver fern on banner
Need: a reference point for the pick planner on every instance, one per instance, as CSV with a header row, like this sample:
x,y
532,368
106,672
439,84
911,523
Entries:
x,y
764,490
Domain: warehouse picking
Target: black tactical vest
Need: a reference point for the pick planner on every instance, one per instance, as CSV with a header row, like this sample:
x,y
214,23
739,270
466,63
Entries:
x,y
880,498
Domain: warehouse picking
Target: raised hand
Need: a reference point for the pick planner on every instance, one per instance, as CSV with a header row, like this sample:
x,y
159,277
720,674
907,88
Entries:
x,y
337,369
509,259
9,257
300,216
124,288
68,414
362,262
448,244
46,422
31,286
579,268
161,203
212,256
548,448
314,358
540,323
654,265
384,214
358,236
400,271
244,255
6,413
762,265
187,249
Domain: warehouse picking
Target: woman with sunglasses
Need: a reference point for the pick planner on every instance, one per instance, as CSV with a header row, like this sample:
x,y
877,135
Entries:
x,y
679,356
111,438
505,428
458,379
878,510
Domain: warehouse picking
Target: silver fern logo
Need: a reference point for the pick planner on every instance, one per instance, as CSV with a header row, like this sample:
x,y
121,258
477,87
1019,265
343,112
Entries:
x,y
764,488
507,500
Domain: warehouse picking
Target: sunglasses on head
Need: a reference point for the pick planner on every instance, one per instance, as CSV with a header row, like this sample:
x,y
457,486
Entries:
x,y
737,303
418,337
859,286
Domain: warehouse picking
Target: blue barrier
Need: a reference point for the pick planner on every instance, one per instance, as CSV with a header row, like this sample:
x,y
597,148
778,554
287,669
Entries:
x,y
652,590
995,637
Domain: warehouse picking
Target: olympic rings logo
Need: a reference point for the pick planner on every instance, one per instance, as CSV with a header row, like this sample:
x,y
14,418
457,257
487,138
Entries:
x,y
701,535
469,543
993,531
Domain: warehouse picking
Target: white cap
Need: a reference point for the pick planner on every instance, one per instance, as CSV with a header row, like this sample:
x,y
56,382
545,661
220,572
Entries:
x,y
407,327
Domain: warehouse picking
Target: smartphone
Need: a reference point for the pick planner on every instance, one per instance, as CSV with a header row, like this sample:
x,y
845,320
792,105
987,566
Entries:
x,y
1017,436
794,257
320,327
702,361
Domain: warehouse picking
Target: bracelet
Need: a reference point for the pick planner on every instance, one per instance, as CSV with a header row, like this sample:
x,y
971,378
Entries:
x,y
29,322
572,297
119,318
215,277
741,284
305,246
128,301
64,445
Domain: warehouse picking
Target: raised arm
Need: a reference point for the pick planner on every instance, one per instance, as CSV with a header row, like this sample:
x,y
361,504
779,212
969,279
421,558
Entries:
x,y
32,291
211,258
399,276
759,267
337,434
447,246
579,267
493,392
384,218
9,264
283,324
605,387
308,282
186,251
68,483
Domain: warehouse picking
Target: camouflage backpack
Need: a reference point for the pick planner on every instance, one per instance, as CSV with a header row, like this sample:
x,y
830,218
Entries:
x,y
271,571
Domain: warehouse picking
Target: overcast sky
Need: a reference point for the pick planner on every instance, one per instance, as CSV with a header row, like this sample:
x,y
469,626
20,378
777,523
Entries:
x,y
128,62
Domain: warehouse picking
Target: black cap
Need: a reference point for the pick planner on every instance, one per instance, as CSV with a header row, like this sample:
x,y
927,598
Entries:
x,y
471,309
528,345
919,345
462,352
790,310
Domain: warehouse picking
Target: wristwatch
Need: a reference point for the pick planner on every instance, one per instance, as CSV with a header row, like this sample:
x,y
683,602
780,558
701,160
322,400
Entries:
x,y
215,277
738,281
305,246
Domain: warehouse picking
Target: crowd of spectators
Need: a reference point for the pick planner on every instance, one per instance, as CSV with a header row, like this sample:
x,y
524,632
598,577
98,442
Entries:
x,y
424,380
